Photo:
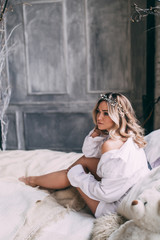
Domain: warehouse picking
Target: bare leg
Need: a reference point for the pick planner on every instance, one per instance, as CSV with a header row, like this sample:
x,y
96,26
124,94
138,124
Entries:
x,y
89,165
54,180
59,179
91,203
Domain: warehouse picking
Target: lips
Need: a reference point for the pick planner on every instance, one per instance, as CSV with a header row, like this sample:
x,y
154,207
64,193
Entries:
x,y
99,123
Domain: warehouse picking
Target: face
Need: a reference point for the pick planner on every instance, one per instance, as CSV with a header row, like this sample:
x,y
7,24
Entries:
x,y
104,122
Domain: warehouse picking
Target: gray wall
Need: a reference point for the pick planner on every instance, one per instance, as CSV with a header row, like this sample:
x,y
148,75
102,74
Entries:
x,y
67,53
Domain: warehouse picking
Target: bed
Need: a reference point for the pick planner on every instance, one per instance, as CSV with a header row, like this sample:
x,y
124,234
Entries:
x,y
40,214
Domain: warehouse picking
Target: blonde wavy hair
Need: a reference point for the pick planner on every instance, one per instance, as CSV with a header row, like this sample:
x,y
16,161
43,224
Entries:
x,y
122,114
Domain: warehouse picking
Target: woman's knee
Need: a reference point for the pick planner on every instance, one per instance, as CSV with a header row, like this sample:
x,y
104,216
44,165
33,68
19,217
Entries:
x,y
81,161
88,164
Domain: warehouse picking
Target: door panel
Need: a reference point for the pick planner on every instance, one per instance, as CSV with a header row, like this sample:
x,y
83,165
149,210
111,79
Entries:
x,y
45,47
66,53
108,46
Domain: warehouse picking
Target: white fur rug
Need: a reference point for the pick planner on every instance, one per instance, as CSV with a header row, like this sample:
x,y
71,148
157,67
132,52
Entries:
x,y
115,227
106,225
70,198
40,215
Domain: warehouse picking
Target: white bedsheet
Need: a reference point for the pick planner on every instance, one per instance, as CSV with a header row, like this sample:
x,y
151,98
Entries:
x,y
13,207
46,219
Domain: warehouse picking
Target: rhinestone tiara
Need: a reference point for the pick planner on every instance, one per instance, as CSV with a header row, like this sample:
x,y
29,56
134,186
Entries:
x,y
114,103
109,99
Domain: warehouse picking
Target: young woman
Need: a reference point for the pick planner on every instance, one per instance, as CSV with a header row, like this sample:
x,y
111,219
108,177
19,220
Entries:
x,y
113,161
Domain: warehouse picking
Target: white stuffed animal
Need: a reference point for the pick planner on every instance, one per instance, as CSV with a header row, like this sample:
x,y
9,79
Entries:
x,y
141,206
145,218
146,210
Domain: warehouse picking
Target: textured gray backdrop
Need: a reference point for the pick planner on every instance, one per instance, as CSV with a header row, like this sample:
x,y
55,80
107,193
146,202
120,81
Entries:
x,y
67,53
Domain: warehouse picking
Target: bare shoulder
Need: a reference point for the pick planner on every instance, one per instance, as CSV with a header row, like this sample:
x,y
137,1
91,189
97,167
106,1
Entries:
x,y
111,144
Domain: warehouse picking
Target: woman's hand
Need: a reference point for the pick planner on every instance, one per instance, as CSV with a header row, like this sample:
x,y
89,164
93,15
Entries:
x,y
96,132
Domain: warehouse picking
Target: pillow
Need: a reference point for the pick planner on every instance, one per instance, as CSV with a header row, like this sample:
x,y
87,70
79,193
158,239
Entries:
x,y
156,163
152,148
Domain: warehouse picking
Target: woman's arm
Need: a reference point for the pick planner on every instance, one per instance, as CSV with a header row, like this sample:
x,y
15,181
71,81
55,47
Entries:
x,y
109,190
93,143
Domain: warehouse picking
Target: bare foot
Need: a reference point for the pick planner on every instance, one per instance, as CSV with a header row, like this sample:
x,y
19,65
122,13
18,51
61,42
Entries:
x,y
28,181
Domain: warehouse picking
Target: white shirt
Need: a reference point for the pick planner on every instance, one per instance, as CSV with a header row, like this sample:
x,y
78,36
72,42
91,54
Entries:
x,y
92,146
118,169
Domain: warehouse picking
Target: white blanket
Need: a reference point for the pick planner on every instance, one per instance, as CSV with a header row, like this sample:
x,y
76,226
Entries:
x,y
32,213
18,163
15,200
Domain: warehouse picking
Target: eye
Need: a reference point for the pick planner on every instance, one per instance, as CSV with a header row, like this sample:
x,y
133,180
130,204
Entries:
x,y
106,113
97,110
145,203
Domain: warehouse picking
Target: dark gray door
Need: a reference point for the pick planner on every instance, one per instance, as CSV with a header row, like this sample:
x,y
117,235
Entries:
x,y
66,53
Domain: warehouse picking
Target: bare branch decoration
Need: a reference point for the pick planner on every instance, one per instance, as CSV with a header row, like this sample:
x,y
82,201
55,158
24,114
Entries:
x,y
140,13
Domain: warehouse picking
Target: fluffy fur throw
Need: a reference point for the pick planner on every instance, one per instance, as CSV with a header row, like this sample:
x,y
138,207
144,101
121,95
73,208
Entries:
x,y
106,225
70,198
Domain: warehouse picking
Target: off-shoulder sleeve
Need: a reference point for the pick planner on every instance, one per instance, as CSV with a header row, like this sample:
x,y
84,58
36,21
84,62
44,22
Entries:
x,y
108,189
92,146
118,169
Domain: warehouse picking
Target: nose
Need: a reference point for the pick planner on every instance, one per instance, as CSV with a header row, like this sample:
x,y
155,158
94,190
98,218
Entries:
x,y
99,116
